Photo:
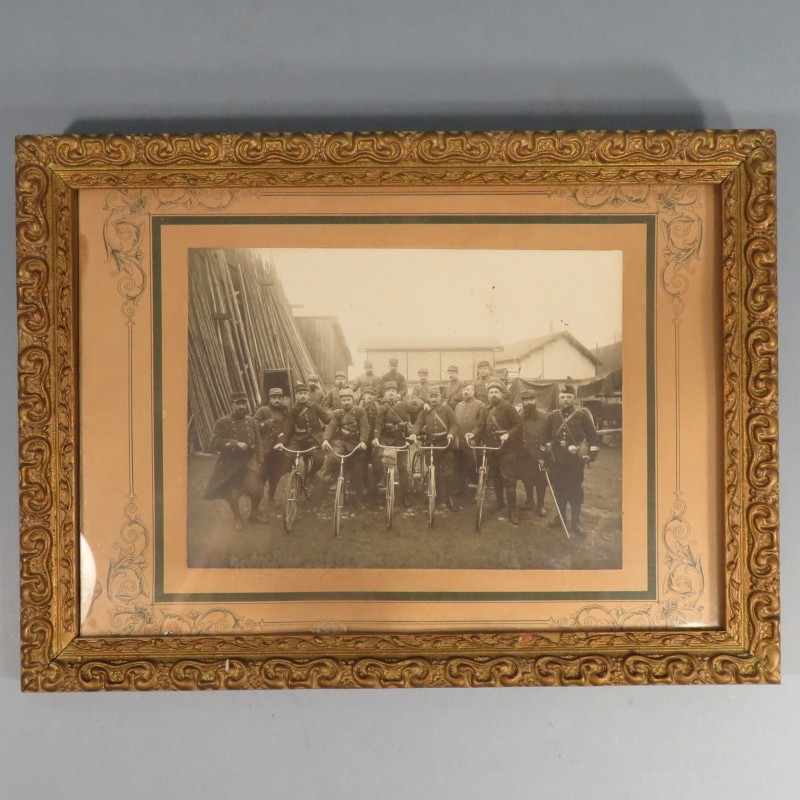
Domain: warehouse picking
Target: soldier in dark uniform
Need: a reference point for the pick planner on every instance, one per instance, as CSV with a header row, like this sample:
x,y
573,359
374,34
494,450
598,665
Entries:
x,y
331,400
467,412
303,428
438,426
393,424
348,428
238,469
451,391
420,390
370,406
534,425
367,379
394,376
270,419
316,394
571,441
500,424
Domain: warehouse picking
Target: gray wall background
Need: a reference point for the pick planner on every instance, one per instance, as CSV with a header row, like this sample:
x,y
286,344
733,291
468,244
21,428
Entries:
x,y
101,66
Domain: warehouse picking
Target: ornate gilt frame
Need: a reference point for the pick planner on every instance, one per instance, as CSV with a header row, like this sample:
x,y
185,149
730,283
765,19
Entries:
x,y
51,171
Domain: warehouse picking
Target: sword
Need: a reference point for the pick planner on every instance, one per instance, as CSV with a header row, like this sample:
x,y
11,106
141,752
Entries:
x,y
558,509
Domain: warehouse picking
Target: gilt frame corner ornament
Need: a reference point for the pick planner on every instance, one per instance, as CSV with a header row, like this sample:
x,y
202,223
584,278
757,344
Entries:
x,y
51,171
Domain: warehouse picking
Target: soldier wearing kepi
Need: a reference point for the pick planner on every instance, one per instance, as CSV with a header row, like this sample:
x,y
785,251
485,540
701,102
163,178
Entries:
x,y
534,433
395,377
367,379
484,379
500,424
395,418
238,469
370,406
571,441
348,428
420,389
270,419
316,394
451,391
467,413
303,428
331,400
438,426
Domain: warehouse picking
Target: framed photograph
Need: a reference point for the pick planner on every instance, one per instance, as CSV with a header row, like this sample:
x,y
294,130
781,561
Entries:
x,y
397,409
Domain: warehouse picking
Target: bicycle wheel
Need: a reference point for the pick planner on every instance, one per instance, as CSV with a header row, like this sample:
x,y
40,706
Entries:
x,y
431,494
389,496
417,472
293,489
338,503
480,497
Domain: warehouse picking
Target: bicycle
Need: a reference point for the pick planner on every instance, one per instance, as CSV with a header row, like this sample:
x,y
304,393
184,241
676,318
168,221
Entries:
x,y
295,486
338,500
480,492
428,476
390,480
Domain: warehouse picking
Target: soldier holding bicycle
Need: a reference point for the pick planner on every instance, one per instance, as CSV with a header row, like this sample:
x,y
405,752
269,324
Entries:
x,y
438,426
348,428
393,424
500,424
303,428
270,419
571,443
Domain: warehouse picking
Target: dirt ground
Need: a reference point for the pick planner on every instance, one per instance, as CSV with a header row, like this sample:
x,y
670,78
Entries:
x,y
451,543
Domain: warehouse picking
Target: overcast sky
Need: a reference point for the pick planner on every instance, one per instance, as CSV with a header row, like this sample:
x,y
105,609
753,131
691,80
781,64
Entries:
x,y
511,294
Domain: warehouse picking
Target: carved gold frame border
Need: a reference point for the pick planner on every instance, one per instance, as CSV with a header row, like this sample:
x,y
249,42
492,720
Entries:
x,y
51,170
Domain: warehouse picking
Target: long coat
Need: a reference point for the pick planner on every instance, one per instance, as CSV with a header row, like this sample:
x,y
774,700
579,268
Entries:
x,y
436,424
350,426
534,430
394,421
234,463
270,424
493,421
575,428
304,421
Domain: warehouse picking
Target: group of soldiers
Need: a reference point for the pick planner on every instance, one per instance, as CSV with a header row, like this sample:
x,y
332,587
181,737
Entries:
x,y
374,413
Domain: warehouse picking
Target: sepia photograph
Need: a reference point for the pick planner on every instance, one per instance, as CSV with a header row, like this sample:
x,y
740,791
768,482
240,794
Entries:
x,y
404,408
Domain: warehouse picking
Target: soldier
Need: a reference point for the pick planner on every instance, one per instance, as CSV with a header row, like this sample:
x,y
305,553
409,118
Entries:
x,y
238,469
348,428
367,379
534,424
438,426
485,377
467,412
316,394
420,390
303,428
452,389
270,419
500,424
571,441
393,424
331,400
394,376
370,406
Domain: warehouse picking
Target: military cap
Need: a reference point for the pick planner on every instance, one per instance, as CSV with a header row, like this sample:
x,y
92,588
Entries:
x,y
301,387
367,365
314,378
276,392
484,364
390,385
434,390
529,394
238,396
469,383
393,362
345,391
567,388
452,368
370,389
422,371
495,385
340,374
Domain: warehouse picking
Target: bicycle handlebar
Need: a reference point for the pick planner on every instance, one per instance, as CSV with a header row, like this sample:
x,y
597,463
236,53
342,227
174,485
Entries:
x,y
433,446
299,452
395,447
483,447
343,457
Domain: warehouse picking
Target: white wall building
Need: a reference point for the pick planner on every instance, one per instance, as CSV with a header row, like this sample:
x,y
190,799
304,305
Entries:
x,y
555,356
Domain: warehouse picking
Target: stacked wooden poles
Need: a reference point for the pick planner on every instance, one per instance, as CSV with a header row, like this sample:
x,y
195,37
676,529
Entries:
x,y
240,323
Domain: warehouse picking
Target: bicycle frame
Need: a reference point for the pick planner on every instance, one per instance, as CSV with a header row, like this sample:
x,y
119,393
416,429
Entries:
x,y
390,471
296,484
480,493
338,500
430,474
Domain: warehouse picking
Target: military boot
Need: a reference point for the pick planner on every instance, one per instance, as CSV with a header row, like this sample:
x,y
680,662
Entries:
x,y
575,528
499,504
